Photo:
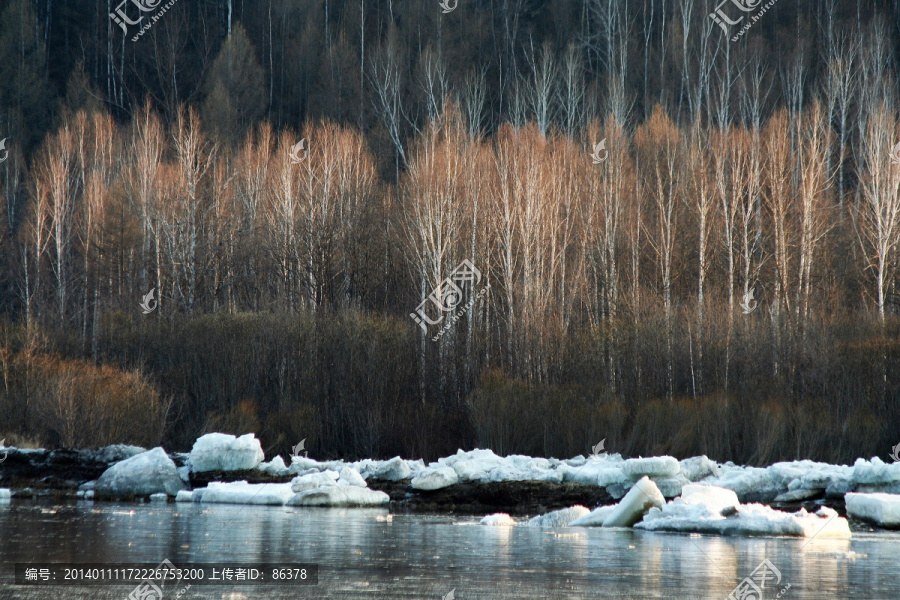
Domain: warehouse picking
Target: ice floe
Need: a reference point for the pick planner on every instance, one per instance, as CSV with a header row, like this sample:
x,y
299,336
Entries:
x,y
339,495
395,469
311,481
657,466
881,509
558,518
498,519
435,478
241,492
748,519
143,474
595,518
225,452
643,496
876,476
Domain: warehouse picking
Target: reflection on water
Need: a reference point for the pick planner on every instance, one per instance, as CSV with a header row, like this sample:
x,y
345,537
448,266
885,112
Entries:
x,y
363,557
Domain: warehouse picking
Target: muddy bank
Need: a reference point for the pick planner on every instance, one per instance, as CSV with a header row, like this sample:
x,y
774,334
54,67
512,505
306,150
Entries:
x,y
57,472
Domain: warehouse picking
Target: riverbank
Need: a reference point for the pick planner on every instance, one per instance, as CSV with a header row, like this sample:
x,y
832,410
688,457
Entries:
x,y
63,474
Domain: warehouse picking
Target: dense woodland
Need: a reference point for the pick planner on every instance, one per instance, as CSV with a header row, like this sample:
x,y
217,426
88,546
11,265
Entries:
x,y
620,286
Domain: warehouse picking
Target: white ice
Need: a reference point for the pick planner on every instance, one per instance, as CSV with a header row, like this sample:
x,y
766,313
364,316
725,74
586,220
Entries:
x,y
161,497
350,476
498,519
275,466
595,518
698,467
881,509
184,496
241,492
435,478
339,495
750,519
224,452
558,518
653,467
642,497
311,481
394,469
147,473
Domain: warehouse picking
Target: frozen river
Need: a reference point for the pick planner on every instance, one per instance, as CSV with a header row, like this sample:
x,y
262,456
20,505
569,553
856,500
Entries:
x,y
361,555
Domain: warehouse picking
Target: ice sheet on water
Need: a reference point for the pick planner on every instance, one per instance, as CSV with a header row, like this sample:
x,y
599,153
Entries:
x,y
558,518
750,519
595,518
241,492
339,495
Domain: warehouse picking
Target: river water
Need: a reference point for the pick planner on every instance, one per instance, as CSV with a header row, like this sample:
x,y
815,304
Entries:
x,y
361,555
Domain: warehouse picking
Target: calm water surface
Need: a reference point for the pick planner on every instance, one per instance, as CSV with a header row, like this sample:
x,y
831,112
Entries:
x,y
422,556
